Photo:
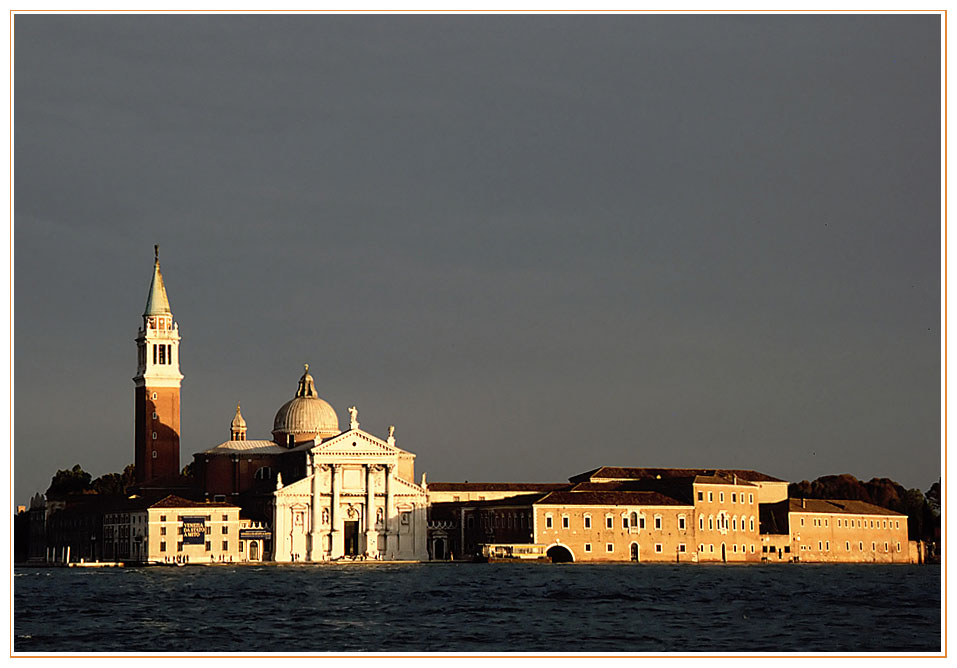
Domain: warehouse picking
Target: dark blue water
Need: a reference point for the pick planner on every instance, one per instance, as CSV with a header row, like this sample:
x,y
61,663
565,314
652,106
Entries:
x,y
480,608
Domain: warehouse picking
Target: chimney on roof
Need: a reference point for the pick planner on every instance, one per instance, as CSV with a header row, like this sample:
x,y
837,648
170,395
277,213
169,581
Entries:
x,y
803,504
735,478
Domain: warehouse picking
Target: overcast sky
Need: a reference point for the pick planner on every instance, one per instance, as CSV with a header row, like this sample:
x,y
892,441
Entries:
x,y
535,244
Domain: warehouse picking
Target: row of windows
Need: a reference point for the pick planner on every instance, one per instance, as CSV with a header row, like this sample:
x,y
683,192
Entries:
x,y
723,523
209,544
734,548
634,520
850,523
659,548
826,546
209,518
734,497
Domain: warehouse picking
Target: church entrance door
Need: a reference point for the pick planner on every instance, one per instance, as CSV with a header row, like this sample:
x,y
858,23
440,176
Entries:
x,y
350,532
254,550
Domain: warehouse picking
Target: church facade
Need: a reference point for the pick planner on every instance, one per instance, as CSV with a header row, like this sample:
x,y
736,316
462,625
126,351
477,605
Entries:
x,y
327,494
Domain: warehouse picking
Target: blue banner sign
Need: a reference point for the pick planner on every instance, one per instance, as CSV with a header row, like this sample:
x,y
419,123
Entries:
x,y
194,530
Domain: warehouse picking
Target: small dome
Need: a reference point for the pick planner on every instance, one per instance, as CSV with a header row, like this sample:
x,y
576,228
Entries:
x,y
306,416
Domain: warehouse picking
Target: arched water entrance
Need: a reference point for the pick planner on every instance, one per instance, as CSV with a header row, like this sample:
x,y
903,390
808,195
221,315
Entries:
x,y
254,550
559,554
634,552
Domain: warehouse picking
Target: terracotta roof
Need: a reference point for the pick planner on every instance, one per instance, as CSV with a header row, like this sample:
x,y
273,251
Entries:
x,y
839,506
173,501
630,473
609,499
496,486
516,500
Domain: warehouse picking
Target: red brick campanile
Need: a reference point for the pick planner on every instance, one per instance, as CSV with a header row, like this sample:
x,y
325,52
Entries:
x,y
157,383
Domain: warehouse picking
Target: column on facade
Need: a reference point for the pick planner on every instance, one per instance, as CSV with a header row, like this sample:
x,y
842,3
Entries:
x,y
315,528
337,548
390,537
371,541
280,551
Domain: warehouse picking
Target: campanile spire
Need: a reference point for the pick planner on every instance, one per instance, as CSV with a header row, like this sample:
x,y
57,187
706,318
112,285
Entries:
x,y
157,385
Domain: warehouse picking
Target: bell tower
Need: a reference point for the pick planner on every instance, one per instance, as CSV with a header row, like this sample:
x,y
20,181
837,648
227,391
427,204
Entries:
x,y
157,382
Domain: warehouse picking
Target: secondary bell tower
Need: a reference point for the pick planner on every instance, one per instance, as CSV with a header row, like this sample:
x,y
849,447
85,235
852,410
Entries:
x,y
157,383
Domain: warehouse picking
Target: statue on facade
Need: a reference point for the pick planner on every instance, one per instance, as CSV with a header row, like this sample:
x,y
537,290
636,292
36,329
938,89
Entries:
x,y
353,417
278,480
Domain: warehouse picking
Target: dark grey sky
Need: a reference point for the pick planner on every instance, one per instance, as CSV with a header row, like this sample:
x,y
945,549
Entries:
x,y
535,244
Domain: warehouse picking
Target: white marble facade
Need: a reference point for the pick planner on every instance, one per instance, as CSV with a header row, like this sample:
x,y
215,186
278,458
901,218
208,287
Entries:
x,y
351,504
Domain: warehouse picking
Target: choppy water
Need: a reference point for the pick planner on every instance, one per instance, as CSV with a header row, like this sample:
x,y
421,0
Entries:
x,y
479,608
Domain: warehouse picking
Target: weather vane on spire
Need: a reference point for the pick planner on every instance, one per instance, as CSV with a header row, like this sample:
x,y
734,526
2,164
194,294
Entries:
x,y
156,251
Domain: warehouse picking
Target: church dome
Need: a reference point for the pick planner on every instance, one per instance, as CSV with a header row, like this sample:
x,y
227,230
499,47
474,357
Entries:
x,y
305,416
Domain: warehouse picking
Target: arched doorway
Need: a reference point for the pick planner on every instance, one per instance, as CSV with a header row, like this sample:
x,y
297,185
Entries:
x,y
254,550
724,552
634,552
559,554
438,549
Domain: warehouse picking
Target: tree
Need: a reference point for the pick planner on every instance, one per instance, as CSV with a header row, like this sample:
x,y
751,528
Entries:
x,y
69,481
933,498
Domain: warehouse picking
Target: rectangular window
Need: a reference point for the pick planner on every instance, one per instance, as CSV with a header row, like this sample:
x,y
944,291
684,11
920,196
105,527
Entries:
x,y
162,354
898,547
641,522
241,544
861,545
658,547
751,498
681,547
657,522
624,522
820,546
721,497
700,496
162,531
885,547
734,497
609,523
681,522
179,546
711,547
609,547
710,496
225,546
802,521
225,518
587,547
548,521
847,545
564,521
701,523
874,547
179,530
827,545
711,523
209,546
225,529
588,521
162,546
154,353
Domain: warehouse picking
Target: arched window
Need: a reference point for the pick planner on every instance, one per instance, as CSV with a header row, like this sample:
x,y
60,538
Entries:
x,y
263,473
634,519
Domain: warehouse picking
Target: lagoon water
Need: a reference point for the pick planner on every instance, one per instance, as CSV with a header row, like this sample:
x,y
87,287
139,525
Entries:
x,y
632,608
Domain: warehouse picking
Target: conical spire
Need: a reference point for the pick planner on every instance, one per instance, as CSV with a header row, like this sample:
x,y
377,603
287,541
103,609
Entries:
x,y
238,421
157,303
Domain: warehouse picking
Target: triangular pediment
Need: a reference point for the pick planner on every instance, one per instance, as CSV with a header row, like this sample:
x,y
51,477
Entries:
x,y
356,442
303,486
